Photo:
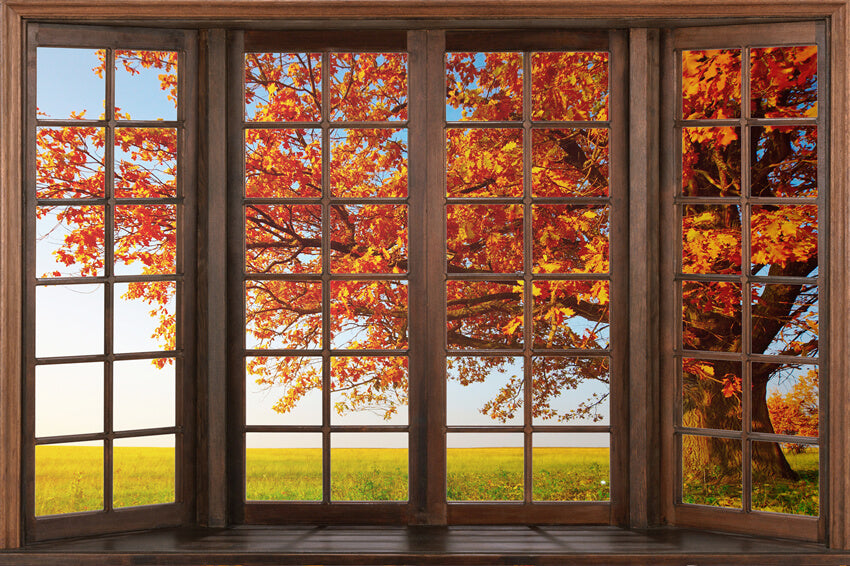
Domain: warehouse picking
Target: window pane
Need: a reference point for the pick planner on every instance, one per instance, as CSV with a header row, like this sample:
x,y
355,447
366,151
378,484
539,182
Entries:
x,y
143,471
711,84
68,399
484,467
368,315
145,316
484,314
144,394
569,86
68,478
483,86
785,240
69,162
283,87
70,83
711,238
369,163
368,238
369,467
570,239
283,163
784,81
145,239
369,390
711,470
283,390
571,391
571,467
786,161
786,478
711,315
484,238
283,314
571,314
283,467
69,241
146,85
785,399
145,162
484,162
711,162
785,320
711,394
484,391
68,320
283,238
368,86
569,163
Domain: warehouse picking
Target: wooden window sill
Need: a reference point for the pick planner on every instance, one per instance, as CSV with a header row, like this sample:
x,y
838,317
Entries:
x,y
313,544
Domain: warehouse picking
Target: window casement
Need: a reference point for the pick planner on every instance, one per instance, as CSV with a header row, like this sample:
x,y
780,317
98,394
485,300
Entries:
x,y
320,273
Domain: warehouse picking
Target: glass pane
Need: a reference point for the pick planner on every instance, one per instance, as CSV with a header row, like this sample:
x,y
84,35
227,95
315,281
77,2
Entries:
x,y
711,162
368,315
68,478
68,399
145,239
711,394
571,314
785,161
785,399
711,316
69,162
484,314
711,238
484,467
484,238
283,238
571,467
283,163
283,87
711,471
369,467
570,239
283,467
146,85
283,390
283,314
785,320
785,240
69,241
711,84
483,86
786,478
145,316
68,320
145,162
569,86
144,394
484,162
70,83
369,390
484,391
570,391
569,163
369,163
368,86
784,82
369,238
143,471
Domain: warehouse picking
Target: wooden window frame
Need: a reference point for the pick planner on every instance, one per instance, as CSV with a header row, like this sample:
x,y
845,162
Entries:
x,y
646,500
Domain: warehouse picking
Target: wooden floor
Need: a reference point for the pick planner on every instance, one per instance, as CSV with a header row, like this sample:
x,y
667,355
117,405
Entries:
x,y
257,545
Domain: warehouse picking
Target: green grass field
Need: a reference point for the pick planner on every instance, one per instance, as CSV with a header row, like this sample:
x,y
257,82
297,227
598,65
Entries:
x,y
70,479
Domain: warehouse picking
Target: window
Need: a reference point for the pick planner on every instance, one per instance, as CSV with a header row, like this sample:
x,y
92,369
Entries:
x,y
313,276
